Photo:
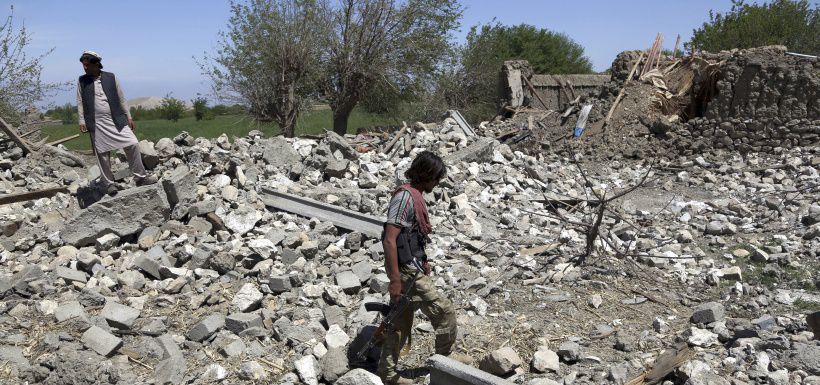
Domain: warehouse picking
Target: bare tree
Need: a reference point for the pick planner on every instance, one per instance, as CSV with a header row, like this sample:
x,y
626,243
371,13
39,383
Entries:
x,y
20,83
399,42
266,59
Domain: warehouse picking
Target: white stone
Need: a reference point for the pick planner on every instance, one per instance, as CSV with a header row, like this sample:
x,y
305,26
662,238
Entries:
x,y
336,337
545,360
247,298
702,337
308,367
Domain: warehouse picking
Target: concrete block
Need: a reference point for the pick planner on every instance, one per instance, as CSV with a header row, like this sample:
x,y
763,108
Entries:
x,y
238,322
348,281
69,310
206,327
180,186
119,316
479,151
70,275
125,214
101,341
445,371
708,312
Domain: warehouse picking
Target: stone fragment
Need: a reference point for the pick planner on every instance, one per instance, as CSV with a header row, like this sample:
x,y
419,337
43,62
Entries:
x,y
363,271
238,322
252,371
172,367
106,242
337,142
69,310
707,313
545,360
569,352
150,157
70,275
241,220
307,367
595,301
119,316
214,373
206,327
348,282
732,273
20,280
359,376
124,214
720,228
279,284
165,148
479,151
247,298
180,187
148,237
702,337
333,364
101,341
336,338
501,361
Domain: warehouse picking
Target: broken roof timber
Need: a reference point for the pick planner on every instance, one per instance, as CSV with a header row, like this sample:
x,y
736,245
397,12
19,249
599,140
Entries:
x,y
366,224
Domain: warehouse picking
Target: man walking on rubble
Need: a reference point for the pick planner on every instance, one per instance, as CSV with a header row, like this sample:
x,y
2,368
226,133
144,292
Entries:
x,y
405,234
104,115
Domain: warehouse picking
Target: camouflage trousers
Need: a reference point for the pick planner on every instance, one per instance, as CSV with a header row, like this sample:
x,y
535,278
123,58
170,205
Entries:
x,y
437,308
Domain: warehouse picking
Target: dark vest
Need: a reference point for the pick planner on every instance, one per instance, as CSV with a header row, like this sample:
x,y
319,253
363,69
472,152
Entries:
x,y
109,86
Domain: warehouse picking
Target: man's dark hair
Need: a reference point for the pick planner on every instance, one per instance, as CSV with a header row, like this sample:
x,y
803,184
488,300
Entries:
x,y
91,59
425,168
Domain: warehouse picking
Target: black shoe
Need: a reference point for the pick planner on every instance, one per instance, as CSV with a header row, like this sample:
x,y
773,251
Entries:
x,y
146,180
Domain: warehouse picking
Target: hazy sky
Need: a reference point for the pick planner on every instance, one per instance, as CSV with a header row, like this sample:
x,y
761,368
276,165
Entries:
x,y
153,45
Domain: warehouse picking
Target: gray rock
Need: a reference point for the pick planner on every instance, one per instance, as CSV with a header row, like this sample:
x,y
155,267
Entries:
x,y
20,280
379,283
333,364
150,157
569,352
132,279
337,142
119,316
279,284
336,168
172,367
206,327
152,261
765,322
180,187
501,361
307,367
106,242
165,148
720,228
252,371
70,275
363,270
247,298
241,220
234,348
479,151
124,214
279,153
348,282
708,312
69,310
14,355
359,377
148,237
101,341
545,360
618,374
239,322
804,357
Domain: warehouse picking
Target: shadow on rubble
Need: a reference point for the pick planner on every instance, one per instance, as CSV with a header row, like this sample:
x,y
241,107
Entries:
x,y
90,194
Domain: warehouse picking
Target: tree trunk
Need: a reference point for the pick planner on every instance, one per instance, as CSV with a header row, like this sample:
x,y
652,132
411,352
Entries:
x,y
340,116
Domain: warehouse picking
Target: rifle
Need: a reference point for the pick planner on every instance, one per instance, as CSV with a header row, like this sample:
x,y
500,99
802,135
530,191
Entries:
x,y
389,313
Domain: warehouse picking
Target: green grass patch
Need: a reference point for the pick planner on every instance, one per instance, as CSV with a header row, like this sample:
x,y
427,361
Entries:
x,y
310,122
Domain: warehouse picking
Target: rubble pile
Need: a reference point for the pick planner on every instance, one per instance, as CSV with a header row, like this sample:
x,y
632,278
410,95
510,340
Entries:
x,y
194,280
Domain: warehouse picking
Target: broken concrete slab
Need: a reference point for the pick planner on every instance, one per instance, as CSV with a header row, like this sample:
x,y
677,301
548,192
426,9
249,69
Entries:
x,y
101,341
340,217
206,327
124,214
172,368
238,322
279,153
119,316
481,150
446,371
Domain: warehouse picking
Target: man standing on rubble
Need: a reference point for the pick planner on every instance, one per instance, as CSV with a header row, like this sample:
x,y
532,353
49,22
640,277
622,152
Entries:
x,y
405,235
104,115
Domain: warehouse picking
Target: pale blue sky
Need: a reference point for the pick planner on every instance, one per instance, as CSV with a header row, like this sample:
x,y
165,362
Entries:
x,y
151,44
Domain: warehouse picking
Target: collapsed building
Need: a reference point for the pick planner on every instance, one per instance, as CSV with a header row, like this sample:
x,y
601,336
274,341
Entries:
x,y
251,260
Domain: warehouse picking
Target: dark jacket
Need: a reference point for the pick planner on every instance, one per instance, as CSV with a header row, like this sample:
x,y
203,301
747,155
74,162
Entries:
x,y
109,86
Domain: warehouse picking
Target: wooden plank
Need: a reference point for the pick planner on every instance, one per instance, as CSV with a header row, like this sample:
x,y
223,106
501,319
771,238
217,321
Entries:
x,y
532,89
675,52
31,132
395,139
63,140
29,195
13,136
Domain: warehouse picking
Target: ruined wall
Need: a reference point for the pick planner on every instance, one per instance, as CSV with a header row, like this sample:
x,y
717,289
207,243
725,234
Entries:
x,y
764,100
557,90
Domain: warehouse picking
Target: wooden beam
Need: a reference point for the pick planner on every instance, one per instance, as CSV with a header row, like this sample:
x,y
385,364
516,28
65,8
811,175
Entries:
x,y
31,132
398,136
29,195
675,52
9,130
532,89
63,140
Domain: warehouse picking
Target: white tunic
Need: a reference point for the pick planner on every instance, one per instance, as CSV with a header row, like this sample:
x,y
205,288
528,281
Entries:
x,y
106,136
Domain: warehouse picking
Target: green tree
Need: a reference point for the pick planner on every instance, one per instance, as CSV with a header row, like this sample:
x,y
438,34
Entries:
x,y
67,113
471,83
172,108
793,23
200,107
20,83
267,57
384,44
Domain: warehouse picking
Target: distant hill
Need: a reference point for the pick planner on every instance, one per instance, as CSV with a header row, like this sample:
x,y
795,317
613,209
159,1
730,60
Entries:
x,y
150,102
